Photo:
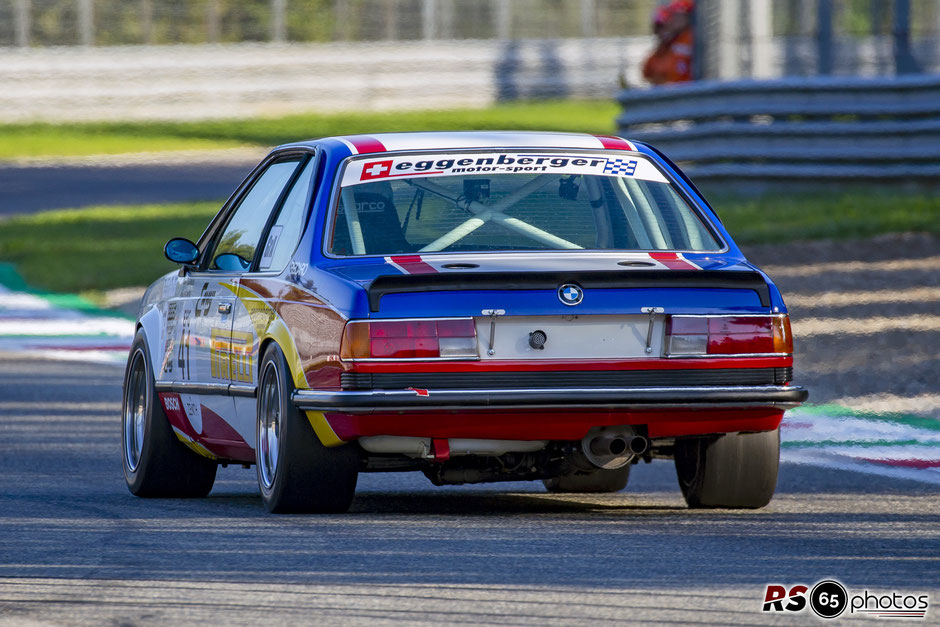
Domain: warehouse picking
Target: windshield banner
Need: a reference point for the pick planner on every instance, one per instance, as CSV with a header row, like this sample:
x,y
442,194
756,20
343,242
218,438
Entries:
x,y
463,164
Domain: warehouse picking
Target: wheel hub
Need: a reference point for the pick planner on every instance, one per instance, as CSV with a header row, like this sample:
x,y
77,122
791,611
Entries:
x,y
135,412
269,427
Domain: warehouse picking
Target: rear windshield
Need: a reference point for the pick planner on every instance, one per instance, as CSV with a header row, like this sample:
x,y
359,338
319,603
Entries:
x,y
470,202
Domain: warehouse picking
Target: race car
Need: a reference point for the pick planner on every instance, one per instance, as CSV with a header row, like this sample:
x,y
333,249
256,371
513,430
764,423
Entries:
x,y
474,306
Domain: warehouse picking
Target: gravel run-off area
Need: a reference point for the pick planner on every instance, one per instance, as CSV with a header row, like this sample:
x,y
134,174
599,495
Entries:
x,y
866,319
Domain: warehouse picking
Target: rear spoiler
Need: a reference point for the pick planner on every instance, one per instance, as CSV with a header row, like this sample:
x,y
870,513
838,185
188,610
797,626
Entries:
x,y
595,279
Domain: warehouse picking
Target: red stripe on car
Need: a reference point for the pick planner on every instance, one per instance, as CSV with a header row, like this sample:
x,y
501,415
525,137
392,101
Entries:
x,y
673,261
412,264
615,143
567,424
574,365
365,144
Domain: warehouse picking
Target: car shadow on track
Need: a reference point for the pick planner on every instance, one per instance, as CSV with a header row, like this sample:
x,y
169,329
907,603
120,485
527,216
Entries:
x,y
445,503
458,504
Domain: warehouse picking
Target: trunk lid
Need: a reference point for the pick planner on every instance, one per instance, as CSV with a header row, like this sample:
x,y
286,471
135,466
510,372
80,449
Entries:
x,y
625,297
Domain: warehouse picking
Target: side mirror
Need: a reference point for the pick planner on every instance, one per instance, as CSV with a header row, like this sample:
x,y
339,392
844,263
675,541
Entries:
x,y
181,250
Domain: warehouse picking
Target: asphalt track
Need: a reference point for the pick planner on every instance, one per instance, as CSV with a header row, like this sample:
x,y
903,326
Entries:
x,y
27,188
77,548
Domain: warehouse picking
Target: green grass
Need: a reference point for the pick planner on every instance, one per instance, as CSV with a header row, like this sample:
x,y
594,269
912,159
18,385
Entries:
x,y
106,247
100,247
784,217
39,139
44,140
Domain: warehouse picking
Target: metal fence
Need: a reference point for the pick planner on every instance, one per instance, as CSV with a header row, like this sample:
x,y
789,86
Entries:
x,y
114,59
735,38
794,129
764,39
130,22
244,80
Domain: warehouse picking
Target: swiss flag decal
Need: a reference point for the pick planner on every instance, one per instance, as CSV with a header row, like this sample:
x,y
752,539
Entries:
x,y
376,170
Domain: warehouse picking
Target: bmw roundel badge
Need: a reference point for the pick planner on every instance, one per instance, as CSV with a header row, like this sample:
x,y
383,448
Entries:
x,y
570,294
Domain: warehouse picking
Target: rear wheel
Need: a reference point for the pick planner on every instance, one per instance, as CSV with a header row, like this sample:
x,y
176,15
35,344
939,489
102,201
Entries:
x,y
733,470
597,482
296,473
156,463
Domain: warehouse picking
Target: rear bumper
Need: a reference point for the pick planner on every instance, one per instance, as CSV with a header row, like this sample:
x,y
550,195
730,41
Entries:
x,y
526,399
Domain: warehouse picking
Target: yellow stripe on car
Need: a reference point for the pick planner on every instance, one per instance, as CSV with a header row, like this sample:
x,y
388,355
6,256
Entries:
x,y
192,444
323,429
268,325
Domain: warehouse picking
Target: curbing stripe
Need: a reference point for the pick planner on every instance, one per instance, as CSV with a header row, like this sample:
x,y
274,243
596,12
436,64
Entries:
x,y
59,326
858,443
11,280
832,410
898,446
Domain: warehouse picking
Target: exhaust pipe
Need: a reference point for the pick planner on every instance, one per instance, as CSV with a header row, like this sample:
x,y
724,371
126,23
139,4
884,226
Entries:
x,y
639,445
613,447
606,445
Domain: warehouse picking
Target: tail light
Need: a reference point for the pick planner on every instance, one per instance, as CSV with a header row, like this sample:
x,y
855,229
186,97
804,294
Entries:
x,y
728,335
454,338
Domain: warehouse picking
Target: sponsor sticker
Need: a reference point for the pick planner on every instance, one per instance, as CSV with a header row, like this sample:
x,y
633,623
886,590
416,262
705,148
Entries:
x,y
268,255
230,356
193,411
169,287
296,270
361,171
171,403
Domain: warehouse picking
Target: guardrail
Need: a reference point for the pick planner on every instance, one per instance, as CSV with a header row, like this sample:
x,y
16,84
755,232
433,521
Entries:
x,y
794,129
244,80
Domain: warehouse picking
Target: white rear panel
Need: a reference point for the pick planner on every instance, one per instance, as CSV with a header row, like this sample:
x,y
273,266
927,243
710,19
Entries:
x,y
571,337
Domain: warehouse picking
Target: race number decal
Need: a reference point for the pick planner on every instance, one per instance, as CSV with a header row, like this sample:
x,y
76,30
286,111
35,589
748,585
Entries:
x,y
182,354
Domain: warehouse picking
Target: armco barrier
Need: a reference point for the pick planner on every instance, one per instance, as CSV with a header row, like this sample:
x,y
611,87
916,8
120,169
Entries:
x,y
244,80
795,129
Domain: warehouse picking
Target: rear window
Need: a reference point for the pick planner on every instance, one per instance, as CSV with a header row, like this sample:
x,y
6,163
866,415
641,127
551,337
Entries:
x,y
523,201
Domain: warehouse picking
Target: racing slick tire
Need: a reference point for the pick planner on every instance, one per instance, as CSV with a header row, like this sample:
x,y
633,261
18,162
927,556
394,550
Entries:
x,y
601,481
737,471
296,472
156,463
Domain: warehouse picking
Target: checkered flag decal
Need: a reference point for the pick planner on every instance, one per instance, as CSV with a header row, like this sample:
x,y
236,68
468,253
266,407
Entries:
x,y
620,166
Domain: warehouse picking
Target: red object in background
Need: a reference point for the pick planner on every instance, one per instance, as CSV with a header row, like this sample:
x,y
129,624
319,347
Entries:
x,y
671,62
661,15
